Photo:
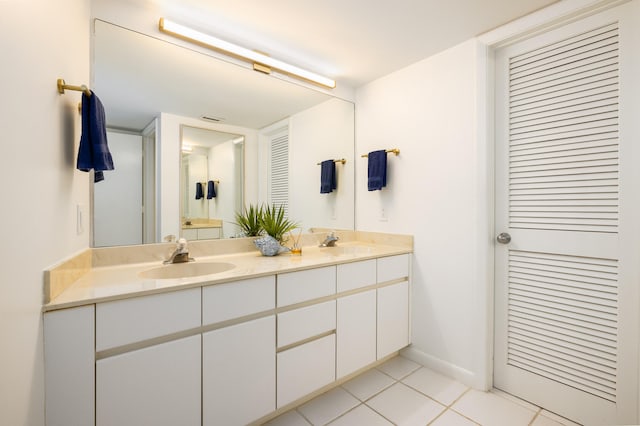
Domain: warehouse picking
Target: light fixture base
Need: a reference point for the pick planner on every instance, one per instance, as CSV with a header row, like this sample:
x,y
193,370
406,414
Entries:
x,y
261,68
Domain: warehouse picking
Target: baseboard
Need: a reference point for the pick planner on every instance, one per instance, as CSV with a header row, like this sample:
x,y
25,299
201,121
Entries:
x,y
443,367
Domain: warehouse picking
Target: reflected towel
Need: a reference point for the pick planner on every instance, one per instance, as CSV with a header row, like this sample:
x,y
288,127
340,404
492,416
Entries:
x,y
377,170
93,152
327,176
199,191
211,190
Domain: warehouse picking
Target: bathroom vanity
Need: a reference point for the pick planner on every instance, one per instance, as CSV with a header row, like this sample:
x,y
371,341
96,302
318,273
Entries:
x,y
231,348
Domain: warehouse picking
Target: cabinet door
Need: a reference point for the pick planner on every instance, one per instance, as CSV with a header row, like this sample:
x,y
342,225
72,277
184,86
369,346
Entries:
x,y
158,385
356,332
393,318
69,366
306,368
239,372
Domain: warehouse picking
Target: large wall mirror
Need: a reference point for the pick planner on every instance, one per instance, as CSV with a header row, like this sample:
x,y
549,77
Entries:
x,y
157,94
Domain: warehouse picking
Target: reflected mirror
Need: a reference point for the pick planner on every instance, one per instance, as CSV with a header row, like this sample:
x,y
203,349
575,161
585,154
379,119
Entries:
x,y
211,182
157,90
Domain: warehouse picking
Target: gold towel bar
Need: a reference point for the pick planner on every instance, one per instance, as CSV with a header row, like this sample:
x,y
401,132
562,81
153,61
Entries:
x,y
396,151
62,86
342,160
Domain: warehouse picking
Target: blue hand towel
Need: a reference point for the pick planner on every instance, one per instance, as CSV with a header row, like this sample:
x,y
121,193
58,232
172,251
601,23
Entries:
x,y
199,191
94,151
327,176
211,190
377,170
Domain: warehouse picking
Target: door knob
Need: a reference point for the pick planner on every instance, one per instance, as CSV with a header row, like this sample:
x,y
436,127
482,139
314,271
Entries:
x,y
503,238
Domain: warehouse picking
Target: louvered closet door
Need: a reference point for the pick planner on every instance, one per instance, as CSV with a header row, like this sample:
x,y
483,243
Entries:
x,y
567,283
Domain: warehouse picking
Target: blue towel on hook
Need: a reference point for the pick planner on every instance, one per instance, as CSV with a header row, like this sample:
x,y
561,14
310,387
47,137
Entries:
x,y
377,170
94,151
327,176
211,190
199,191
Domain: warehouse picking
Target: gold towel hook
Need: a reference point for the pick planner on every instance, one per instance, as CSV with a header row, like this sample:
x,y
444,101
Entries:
x,y
62,86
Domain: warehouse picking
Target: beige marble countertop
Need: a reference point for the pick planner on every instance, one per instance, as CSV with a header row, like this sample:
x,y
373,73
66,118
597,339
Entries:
x,y
113,282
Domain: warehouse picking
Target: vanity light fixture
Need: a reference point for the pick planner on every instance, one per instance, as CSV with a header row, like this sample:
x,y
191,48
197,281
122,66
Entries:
x,y
261,62
186,147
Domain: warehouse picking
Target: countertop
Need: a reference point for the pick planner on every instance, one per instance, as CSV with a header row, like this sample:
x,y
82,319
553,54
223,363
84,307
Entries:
x,y
108,283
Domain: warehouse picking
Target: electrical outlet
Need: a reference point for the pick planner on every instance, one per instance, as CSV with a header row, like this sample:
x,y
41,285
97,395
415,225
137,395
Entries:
x,y
383,215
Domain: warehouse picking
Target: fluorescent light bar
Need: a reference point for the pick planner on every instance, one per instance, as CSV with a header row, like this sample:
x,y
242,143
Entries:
x,y
190,34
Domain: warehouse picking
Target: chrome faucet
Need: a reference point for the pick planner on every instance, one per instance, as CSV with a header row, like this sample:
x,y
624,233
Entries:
x,y
180,254
330,241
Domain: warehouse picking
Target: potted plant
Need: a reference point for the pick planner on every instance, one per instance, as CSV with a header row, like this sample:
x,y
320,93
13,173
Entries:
x,y
274,222
249,220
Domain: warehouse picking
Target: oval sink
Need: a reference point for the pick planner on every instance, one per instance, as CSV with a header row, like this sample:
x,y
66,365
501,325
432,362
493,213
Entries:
x,y
184,270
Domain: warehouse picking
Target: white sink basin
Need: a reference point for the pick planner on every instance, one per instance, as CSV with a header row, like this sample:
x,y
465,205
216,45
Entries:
x,y
184,270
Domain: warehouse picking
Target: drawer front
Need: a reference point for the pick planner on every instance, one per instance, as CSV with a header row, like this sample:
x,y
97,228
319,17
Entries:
x,y
299,324
351,276
393,267
306,368
132,320
236,299
296,287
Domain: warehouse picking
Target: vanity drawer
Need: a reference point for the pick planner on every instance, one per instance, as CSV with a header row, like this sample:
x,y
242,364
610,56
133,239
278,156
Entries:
x,y
393,267
305,368
236,299
132,320
296,287
299,324
351,276
208,233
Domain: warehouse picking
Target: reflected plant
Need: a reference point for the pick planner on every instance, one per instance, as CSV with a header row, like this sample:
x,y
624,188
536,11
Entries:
x,y
249,220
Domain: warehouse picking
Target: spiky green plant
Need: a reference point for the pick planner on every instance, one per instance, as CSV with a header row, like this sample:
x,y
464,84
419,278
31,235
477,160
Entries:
x,y
275,223
250,220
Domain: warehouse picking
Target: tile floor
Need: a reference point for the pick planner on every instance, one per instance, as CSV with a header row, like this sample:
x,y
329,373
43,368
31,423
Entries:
x,y
401,392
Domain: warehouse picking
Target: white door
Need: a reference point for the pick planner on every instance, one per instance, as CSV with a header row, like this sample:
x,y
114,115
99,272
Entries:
x,y
566,296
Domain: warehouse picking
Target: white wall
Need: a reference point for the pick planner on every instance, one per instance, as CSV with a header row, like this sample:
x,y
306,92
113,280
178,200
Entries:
x,y
429,111
40,41
321,133
222,161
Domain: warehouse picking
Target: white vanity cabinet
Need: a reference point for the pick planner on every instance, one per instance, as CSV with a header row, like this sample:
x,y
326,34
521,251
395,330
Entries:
x,y
141,378
306,358
356,317
238,360
157,385
393,304
231,353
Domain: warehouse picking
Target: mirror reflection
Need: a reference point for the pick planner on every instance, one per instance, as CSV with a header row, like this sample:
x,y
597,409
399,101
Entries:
x,y
173,89
212,182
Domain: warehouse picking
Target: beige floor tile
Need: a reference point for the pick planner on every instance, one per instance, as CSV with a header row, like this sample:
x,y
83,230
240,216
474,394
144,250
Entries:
x,y
328,406
451,418
547,418
368,384
399,367
361,416
435,385
491,409
405,406
290,418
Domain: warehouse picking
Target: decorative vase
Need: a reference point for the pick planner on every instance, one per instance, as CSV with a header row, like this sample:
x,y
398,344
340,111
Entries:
x,y
269,246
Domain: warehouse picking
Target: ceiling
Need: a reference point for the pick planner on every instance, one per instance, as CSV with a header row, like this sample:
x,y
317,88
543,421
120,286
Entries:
x,y
352,41
138,76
